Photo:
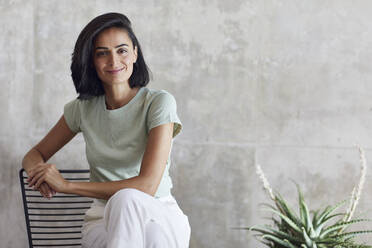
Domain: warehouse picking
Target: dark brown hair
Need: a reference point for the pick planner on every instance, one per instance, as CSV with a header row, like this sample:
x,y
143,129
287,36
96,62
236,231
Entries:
x,y
83,72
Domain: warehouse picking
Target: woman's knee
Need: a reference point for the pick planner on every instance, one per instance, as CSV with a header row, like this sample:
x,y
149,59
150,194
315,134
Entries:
x,y
122,202
126,196
155,236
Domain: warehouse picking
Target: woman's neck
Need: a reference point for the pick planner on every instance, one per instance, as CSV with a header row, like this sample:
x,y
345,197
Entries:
x,y
117,96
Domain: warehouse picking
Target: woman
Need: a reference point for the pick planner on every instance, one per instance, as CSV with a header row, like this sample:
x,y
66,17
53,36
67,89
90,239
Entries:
x,y
128,130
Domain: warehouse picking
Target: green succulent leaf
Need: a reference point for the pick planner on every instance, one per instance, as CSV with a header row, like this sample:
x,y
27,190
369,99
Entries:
x,y
352,234
284,242
338,226
328,210
277,233
308,223
288,221
285,209
308,240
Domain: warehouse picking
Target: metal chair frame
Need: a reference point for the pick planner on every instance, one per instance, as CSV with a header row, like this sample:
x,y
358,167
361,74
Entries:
x,y
36,202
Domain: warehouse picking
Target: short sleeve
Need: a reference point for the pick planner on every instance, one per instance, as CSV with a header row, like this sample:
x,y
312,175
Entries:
x,y
163,109
71,112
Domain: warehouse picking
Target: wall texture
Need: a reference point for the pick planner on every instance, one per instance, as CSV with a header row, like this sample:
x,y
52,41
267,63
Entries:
x,y
286,84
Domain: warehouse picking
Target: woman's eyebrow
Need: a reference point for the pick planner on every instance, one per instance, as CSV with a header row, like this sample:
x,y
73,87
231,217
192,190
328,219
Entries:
x,y
115,47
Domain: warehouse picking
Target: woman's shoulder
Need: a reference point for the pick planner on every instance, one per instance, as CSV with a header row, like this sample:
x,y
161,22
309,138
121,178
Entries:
x,y
83,106
84,103
159,99
157,94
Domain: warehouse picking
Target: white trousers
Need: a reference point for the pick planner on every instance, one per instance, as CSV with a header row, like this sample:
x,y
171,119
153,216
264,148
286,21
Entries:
x,y
134,219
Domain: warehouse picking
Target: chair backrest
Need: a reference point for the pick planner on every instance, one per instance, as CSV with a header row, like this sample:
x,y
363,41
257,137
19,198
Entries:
x,y
55,222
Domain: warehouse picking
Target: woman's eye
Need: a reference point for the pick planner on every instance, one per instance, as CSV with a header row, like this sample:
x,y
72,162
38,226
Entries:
x,y
122,51
100,53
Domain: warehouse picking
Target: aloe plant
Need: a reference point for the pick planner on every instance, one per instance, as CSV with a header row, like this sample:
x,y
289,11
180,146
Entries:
x,y
311,229
320,229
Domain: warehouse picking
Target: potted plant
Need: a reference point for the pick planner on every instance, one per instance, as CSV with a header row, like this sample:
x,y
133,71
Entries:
x,y
322,228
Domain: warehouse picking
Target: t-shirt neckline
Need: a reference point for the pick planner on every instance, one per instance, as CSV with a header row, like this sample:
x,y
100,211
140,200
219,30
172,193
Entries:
x,y
118,111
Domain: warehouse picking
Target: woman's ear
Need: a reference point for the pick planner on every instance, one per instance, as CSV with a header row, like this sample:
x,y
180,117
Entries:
x,y
135,54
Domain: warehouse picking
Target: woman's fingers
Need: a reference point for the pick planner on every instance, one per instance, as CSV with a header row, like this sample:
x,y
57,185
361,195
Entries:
x,y
35,178
45,190
49,174
34,172
40,180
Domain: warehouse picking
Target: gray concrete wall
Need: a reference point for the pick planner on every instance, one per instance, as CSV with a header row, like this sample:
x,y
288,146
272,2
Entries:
x,y
286,84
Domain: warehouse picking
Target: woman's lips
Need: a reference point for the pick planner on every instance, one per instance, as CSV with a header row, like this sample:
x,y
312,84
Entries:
x,y
115,71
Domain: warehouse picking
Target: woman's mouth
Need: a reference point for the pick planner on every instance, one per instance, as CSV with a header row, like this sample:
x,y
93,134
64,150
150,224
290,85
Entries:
x,y
115,71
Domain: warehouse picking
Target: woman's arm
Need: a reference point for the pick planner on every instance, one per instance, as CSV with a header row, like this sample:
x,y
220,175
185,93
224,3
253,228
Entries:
x,y
152,168
57,137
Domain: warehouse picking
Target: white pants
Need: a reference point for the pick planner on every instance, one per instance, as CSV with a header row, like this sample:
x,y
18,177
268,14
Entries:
x,y
134,219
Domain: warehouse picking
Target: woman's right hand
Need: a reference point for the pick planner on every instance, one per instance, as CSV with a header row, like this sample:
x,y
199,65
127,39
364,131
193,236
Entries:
x,y
46,191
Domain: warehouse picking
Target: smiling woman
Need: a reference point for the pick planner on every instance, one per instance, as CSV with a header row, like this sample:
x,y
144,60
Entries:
x,y
128,130
114,63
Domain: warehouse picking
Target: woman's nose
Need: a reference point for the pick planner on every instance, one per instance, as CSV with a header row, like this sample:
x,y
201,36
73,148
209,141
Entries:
x,y
113,60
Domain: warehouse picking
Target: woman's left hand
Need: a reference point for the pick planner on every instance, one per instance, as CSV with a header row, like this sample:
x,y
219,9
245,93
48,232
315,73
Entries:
x,y
47,173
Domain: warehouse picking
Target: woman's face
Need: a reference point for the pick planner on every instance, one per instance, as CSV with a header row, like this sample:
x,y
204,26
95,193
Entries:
x,y
114,56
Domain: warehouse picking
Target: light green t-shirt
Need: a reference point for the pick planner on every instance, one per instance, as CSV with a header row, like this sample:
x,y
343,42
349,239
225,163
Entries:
x,y
116,139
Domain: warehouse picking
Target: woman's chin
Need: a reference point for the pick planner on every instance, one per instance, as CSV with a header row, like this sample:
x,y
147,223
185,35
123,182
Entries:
x,y
115,82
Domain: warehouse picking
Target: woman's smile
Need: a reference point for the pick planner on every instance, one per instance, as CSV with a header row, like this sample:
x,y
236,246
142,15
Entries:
x,y
114,72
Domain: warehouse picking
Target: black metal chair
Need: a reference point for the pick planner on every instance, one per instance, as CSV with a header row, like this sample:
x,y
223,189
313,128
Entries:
x,y
58,221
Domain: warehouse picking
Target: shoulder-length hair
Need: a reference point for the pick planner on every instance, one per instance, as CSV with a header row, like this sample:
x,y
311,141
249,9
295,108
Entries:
x,y
83,73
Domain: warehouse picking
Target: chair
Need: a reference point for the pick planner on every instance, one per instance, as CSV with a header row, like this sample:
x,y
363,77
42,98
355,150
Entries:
x,y
55,222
